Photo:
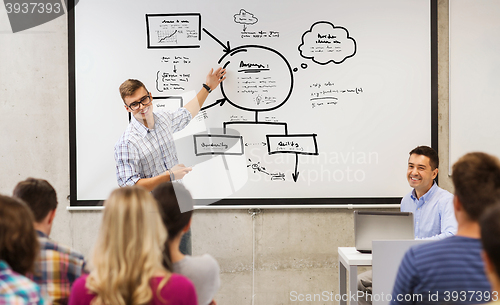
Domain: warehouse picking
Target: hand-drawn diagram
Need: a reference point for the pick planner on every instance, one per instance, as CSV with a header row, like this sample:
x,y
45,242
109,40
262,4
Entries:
x,y
259,79
257,167
209,144
173,30
171,77
325,43
245,18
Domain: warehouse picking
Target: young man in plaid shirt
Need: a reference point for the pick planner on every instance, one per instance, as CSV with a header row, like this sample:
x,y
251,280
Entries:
x,y
57,266
145,154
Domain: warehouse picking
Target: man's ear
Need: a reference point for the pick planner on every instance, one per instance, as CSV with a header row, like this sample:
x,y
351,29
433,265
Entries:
x,y
126,108
52,215
435,173
186,228
457,205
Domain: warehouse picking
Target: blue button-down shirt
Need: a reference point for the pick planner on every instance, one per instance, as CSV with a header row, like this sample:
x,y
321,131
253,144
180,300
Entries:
x,y
433,213
145,153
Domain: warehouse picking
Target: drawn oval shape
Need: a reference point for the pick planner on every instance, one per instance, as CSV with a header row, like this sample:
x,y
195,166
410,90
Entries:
x,y
258,78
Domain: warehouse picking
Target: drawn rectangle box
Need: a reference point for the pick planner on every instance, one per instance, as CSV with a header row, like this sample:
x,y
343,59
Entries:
x,y
168,102
304,144
210,144
166,31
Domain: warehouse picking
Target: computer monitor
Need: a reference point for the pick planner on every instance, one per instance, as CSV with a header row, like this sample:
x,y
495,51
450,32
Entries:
x,y
369,226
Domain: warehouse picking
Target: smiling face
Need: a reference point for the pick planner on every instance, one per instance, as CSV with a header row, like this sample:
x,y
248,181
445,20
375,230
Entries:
x,y
420,174
143,114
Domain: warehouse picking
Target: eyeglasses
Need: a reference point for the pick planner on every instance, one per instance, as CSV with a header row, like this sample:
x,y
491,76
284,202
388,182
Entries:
x,y
145,101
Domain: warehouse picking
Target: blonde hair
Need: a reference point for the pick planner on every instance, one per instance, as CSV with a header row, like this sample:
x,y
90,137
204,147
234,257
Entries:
x,y
129,249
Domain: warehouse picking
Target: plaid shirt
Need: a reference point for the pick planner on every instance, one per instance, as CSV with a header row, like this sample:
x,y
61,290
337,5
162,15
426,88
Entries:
x,y
16,289
56,268
145,153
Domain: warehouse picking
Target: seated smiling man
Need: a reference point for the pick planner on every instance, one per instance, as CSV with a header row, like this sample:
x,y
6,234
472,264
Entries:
x,y
432,206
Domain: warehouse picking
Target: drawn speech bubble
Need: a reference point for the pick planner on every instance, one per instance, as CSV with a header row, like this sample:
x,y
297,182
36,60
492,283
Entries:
x,y
245,17
325,43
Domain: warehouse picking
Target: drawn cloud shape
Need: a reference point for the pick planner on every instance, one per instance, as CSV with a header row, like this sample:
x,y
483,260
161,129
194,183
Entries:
x,y
325,43
245,17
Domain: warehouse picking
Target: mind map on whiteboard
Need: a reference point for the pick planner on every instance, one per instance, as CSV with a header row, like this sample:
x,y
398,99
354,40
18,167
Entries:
x,y
260,79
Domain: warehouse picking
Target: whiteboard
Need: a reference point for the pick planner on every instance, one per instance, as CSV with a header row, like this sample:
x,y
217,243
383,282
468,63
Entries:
x,y
474,77
322,103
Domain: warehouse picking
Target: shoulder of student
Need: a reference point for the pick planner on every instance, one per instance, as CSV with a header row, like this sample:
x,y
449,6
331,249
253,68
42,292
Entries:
x,y
205,260
434,250
204,266
72,256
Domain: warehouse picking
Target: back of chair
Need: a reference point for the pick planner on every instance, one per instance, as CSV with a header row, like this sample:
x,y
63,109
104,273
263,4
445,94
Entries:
x,y
387,255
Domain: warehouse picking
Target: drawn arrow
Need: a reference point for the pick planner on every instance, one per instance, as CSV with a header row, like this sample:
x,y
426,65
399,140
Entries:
x,y
296,175
244,28
220,102
227,48
263,170
175,69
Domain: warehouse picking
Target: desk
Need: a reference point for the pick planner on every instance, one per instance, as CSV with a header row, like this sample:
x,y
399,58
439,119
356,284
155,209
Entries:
x,y
349,260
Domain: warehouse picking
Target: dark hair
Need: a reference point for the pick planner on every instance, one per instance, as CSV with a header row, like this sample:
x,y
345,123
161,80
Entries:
x,y
476,177
40,196
128,87
428,152
18,240
490,230
168,197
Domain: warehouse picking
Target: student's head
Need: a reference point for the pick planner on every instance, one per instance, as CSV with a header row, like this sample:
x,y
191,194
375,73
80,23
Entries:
x,y
18,241
130,86
168,197
490,230
422,168
137,99
40,196
128,251
476,178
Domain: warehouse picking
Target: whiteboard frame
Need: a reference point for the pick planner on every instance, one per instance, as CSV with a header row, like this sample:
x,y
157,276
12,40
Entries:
x,y
270,207
291,203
